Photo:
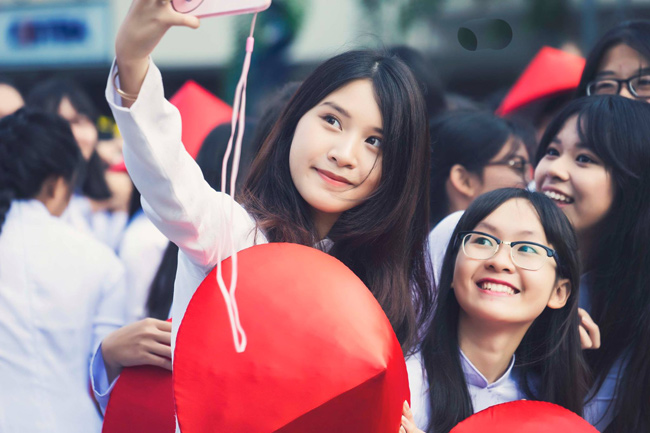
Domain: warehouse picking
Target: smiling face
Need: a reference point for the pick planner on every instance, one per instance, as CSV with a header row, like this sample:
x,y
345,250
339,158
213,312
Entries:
x,y
495,290
622,62
335,156
575,179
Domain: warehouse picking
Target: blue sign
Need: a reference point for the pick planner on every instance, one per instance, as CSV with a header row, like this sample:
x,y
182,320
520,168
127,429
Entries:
x,y
55,35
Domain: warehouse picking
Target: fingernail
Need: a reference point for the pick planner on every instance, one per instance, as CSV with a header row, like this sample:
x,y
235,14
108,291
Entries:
x,y
405,405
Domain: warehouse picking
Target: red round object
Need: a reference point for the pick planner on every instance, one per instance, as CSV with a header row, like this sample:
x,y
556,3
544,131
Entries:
x,y
524,416
321,354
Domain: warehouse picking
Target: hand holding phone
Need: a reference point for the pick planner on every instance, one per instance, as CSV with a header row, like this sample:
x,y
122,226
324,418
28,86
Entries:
x,y
208,8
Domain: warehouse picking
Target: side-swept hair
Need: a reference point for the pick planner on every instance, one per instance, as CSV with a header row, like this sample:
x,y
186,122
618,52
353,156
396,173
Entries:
x,y
548,359
383,239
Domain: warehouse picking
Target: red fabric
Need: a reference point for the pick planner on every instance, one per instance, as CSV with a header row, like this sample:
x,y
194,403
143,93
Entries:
x,y
120,167
142,401
201,112
551,71
524,416
321,356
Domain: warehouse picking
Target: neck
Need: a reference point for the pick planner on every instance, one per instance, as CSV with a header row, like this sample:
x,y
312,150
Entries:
x,y
586,244
324,222
488,346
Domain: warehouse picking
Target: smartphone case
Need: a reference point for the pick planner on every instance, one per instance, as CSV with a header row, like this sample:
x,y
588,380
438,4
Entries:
x,y
208,8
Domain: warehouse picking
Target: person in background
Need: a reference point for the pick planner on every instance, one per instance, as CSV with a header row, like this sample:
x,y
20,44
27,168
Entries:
x,y
619,64
593,163
473,152
10,98
99,206
61,291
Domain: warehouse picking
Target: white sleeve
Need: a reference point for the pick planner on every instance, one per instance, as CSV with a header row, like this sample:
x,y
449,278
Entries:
x,y
99,380
419,386
175,196
439,239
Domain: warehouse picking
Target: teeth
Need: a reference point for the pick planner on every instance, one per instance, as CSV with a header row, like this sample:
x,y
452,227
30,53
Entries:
x,y
558,197
500,288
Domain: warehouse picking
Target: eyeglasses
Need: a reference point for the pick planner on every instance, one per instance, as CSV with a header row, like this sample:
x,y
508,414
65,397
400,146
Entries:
x,y
638,86
518,164
526,255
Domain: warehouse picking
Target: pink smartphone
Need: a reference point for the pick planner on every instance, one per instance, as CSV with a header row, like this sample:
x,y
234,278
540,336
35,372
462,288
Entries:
x,y
209,8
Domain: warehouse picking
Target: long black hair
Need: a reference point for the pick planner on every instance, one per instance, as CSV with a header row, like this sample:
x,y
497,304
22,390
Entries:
x,y
47,96
383,239
548,358
617,130
468,138
34,146
635,34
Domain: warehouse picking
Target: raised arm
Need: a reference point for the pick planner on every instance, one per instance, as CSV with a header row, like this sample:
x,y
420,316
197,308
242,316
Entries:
x,y
175,196
144,26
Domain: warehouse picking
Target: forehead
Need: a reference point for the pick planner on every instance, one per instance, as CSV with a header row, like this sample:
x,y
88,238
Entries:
x,y
568,136
513,146
66,109
359,100
516,219
622,59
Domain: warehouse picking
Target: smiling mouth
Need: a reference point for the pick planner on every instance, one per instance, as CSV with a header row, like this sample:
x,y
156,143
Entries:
x,y
559,198
490,286
332,178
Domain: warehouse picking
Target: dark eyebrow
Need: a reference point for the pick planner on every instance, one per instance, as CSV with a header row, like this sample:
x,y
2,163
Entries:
x,y
641,71
347,114
337,108
493,229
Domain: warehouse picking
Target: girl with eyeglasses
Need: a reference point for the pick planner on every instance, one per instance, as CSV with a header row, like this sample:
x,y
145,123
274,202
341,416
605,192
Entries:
x,y
593,163
619,64
505,325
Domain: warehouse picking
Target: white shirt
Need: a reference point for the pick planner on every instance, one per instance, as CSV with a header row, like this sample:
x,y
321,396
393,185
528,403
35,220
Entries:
x,y
141,251
61,292
439,240
107,227
482,393
175,197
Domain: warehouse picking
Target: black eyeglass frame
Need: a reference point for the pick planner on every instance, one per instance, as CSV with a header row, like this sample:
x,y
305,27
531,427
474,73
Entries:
x,y
550,252
619,83
514,163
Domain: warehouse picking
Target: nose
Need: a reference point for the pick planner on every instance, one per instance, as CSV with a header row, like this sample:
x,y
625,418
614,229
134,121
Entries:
x,y
557,168
625,92
343,151
501,261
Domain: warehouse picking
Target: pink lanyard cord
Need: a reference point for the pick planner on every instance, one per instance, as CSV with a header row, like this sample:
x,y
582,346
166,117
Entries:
x,y
238,115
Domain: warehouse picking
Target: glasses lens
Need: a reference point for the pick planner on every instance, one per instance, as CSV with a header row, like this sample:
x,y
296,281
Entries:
x,y
529,256
603,87
478,246
186,6
641,86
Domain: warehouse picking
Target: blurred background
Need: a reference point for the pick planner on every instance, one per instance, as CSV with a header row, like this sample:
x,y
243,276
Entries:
x,y
74,38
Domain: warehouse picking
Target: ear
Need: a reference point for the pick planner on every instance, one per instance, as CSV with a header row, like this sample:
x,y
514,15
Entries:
x,y
49,188
463,181
560,294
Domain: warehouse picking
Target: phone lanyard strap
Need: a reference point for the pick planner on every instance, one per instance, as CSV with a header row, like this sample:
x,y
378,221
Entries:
x,y
237,123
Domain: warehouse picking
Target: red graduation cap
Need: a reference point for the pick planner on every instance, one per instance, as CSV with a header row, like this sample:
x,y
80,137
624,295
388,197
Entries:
x,y
201,112
321,354
524,416
550,72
